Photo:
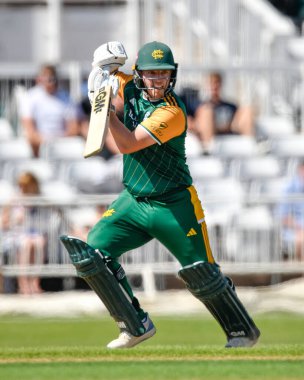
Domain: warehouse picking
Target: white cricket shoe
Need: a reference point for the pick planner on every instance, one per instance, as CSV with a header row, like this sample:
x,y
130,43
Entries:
x,y
127,340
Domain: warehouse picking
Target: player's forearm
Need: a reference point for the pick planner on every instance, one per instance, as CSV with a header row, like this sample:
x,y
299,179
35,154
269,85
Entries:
x,y
111,144
124,139
127,141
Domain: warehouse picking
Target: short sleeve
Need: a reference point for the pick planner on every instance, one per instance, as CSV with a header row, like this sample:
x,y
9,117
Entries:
x,y
165,123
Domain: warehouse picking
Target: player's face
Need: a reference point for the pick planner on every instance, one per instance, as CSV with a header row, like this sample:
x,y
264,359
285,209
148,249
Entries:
x,y
156,82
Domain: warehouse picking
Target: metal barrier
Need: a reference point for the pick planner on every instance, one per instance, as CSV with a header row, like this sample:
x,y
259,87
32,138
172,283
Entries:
x,y
251,240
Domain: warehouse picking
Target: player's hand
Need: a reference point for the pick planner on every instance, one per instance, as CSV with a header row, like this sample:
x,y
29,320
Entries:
x,y
111,54
114,83
96,77
99,78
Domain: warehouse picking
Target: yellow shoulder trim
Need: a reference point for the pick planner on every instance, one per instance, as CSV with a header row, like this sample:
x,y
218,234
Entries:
x,y
166,122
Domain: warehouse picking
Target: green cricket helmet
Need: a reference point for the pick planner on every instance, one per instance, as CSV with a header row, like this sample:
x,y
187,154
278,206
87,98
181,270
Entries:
x,y
154,56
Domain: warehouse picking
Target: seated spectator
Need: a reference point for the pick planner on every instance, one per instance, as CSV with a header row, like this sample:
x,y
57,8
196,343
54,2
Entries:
x,y
191,99
47,111
292,214
23,235
217,116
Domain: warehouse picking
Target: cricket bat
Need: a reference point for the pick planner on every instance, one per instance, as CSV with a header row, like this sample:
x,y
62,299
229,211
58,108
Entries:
x,y
99,120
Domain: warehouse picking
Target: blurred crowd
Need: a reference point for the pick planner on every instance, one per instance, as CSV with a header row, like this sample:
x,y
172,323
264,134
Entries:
x,y
48,115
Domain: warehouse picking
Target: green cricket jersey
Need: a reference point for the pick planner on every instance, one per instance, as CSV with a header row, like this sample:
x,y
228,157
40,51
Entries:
x,y
160,168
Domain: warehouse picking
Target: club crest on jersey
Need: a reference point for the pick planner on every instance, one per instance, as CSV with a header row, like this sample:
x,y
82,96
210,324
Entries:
x,y
108,213
158,54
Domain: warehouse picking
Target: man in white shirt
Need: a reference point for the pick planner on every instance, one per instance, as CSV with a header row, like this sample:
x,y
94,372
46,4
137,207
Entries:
x,y
47,113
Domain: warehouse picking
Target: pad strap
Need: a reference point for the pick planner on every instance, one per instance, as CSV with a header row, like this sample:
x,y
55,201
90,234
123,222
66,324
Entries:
x,y
206,282
91,266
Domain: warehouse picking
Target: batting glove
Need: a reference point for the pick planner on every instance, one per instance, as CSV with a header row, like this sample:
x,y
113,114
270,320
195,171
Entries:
x,y
111,54
96,78
99,78
114,83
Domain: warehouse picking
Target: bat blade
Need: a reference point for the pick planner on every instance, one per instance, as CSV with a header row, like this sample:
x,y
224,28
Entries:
x,y
99,120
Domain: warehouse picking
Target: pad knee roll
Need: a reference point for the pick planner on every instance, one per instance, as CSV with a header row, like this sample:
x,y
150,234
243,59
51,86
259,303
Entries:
x,y
206,282
91,266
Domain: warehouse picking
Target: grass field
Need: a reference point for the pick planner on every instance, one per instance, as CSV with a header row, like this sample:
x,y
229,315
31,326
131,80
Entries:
x,y
183,348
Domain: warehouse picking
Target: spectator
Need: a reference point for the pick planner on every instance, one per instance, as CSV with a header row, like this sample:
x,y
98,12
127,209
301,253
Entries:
x,y
217,116
292,214
190,97
47,111
22,232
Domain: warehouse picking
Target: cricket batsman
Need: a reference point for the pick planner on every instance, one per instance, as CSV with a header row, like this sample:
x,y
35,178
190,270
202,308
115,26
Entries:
x,y
159,201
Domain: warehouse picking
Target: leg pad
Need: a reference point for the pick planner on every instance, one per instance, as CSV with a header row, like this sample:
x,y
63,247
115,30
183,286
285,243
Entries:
x,y
206,282
91,266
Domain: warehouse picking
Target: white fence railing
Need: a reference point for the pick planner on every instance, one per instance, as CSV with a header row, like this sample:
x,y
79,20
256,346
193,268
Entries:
x,y
251,240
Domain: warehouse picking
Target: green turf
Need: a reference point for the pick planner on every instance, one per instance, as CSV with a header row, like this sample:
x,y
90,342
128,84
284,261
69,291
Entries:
x,y
192,330
155,370
183,348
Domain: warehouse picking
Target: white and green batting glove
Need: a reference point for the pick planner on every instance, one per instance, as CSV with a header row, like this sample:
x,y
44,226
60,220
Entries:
x,y
114,83
99,78
111,55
